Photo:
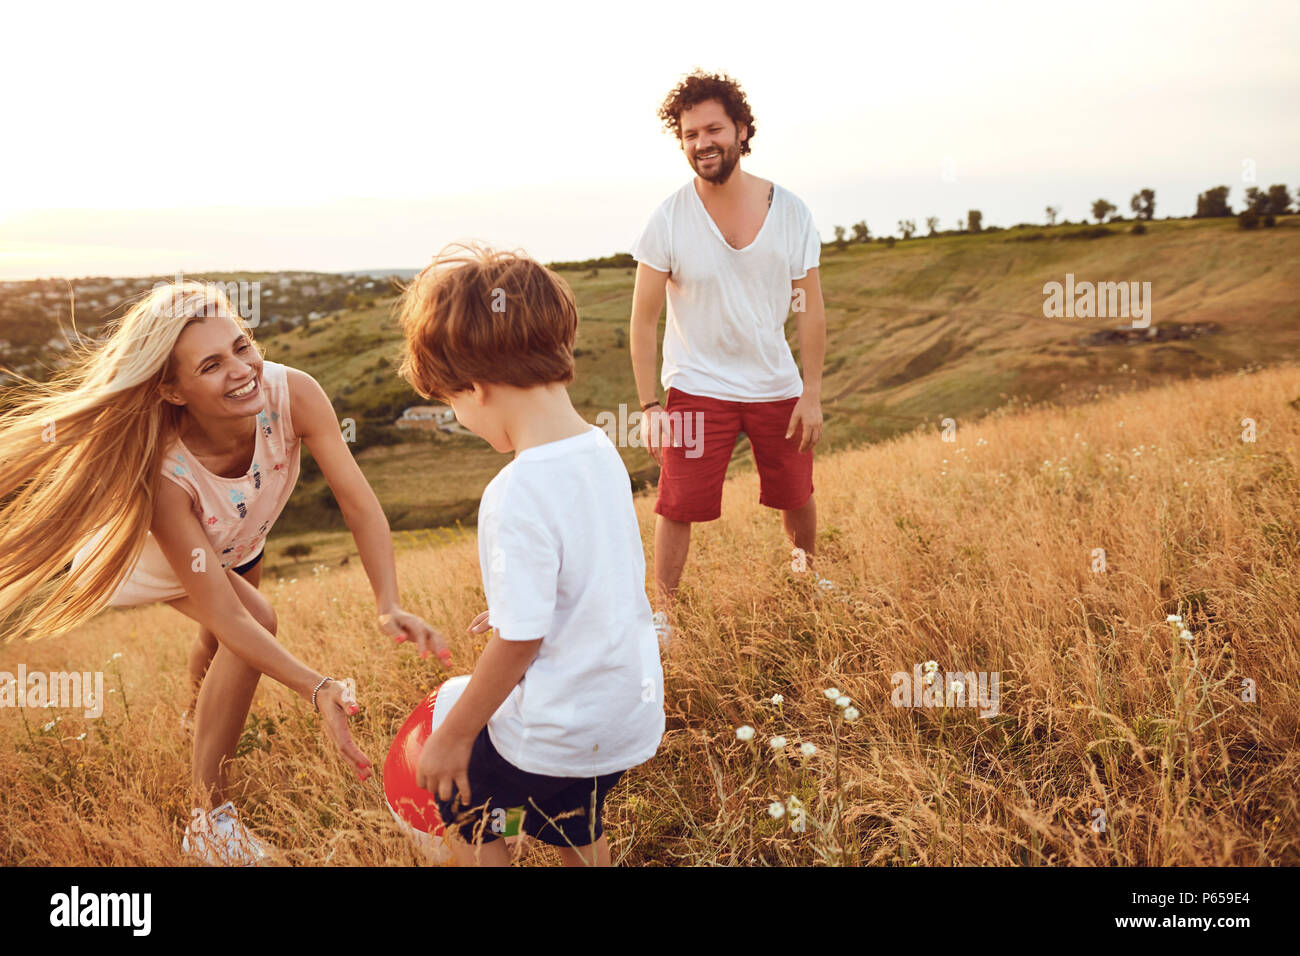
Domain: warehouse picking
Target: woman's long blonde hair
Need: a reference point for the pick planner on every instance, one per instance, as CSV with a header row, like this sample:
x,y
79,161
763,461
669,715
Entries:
x,y
82,453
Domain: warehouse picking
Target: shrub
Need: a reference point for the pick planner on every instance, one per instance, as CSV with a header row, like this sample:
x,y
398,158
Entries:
x,y
1096,232
1138,229
1270,221
297,551
1248,219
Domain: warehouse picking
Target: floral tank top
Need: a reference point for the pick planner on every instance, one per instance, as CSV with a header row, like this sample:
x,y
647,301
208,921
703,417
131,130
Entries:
x,y
236,513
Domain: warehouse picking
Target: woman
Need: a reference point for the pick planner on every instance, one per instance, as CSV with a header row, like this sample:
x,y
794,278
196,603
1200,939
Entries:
x,y
180,391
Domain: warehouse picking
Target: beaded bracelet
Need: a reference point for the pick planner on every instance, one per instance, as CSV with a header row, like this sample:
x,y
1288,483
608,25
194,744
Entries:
x,y
314,690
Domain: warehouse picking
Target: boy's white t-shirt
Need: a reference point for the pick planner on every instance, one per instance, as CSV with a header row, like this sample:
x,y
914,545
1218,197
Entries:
x,y
561,556
727,308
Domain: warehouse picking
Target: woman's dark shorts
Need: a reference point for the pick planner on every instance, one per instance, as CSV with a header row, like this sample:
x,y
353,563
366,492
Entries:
x,y
249,565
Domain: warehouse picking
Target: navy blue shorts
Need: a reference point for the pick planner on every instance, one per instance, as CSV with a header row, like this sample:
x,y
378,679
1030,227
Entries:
x,y
249,565
505,798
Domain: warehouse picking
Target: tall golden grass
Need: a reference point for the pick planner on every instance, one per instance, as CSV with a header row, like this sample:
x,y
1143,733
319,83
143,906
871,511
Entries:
x,y
978,554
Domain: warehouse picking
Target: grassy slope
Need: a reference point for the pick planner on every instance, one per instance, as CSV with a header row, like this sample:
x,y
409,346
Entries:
x,y
977,554
932,328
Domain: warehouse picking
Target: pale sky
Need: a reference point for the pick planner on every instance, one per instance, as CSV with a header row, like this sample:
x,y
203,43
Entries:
x,y
150,138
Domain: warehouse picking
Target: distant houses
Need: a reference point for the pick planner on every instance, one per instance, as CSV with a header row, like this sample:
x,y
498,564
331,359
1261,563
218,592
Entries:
x,y
438,417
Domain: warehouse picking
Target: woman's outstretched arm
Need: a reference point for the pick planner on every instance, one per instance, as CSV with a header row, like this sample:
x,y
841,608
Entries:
x,y
314,422
188,551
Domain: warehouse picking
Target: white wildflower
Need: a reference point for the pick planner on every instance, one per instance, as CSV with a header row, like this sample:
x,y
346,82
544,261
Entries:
x,y
778,743
745,733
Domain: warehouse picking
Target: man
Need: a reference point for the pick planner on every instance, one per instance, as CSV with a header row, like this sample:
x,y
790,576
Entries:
x,y
734,253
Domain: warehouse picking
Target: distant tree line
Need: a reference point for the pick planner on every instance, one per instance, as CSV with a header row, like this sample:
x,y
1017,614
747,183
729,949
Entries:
x,y
1261,206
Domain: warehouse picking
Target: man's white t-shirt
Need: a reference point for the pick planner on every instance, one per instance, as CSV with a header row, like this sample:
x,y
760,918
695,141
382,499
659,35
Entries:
x,y
561,556
727,307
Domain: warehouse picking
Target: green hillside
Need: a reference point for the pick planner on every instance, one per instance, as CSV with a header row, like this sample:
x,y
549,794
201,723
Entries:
x,y
927,329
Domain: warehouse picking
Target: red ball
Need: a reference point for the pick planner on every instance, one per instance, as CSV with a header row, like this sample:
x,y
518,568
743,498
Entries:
x,y
413,808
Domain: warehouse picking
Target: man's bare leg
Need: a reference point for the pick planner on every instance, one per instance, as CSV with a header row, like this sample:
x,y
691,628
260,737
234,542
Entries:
x,y
801,527
672,542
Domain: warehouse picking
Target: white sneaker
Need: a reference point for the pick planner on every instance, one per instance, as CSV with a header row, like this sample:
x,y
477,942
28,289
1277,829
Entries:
x,y
221,839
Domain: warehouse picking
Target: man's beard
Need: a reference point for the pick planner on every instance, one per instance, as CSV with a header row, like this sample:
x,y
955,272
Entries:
x,y
727,160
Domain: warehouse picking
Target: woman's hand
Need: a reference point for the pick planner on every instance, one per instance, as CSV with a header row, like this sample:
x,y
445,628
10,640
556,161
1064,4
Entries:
x,y
445,761
336,701
479,624
401,626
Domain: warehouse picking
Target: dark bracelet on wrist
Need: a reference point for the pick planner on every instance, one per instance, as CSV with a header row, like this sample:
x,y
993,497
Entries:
x,y
649,404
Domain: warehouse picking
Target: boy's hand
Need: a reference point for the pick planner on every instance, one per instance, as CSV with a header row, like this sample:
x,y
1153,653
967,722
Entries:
x,y
479,624
401,626
444,761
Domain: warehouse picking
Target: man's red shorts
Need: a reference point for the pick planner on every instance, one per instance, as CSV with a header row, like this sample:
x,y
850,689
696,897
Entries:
x,y
705,430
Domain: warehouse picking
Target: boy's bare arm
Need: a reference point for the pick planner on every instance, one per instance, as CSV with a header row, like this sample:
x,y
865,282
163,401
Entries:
x,y
499,669
444,759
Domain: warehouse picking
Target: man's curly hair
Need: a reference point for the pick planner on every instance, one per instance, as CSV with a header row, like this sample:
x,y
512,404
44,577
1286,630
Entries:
x,y
699,86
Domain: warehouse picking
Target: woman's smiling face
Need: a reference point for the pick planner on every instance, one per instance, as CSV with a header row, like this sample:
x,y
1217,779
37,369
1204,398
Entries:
x,y
217,369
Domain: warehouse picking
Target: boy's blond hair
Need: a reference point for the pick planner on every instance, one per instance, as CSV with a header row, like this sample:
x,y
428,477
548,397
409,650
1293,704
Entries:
x,y
476,314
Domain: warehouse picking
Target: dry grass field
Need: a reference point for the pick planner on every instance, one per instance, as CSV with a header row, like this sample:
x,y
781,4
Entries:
x,y
1117,740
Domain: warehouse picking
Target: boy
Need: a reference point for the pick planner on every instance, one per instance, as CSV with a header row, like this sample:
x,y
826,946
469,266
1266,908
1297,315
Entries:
x,y
568,693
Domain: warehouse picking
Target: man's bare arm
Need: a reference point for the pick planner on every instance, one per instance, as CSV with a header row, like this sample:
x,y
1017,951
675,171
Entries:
x,y
810,314
647,302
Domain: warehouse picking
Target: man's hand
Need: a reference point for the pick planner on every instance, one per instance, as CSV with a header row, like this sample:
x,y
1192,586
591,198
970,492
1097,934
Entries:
x,y
807,413
336,700
401,626
656,432
445,761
